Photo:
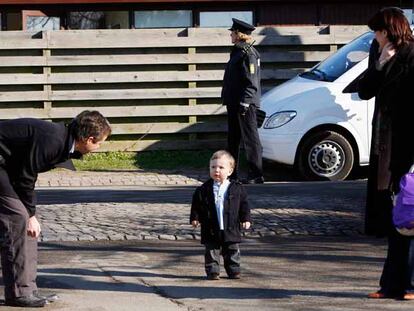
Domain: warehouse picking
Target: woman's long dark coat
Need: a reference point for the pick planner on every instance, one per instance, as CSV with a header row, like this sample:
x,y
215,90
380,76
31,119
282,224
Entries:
x,y
392,151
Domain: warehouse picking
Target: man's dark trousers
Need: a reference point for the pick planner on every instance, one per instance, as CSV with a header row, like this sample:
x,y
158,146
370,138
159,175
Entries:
x,y
244,127
18,250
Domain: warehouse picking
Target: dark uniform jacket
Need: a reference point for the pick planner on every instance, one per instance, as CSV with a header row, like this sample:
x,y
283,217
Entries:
x,y
392,153
28,147
236,210
241,82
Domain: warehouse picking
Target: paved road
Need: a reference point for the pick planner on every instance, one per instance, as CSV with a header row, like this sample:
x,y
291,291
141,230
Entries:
x,y
161,212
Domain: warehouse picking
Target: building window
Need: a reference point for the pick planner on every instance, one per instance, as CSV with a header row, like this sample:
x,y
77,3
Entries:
x,y
86,20
163,19
39,23
223,19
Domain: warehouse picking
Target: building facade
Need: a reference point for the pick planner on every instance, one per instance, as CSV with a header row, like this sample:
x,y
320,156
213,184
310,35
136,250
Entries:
x,y
109,14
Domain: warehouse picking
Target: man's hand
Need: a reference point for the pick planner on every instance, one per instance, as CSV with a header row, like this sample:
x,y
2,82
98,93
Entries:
x,y
246,225
33,227
195,223
243,108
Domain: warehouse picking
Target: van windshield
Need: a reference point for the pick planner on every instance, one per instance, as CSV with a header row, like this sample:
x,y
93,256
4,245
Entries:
x,y
344,59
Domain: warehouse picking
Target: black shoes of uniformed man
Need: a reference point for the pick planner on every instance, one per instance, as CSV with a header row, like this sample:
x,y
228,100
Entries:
x,y
36,300
26,301
250,181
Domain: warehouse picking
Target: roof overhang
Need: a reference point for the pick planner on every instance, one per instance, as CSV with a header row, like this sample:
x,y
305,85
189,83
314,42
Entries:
x,y
26,2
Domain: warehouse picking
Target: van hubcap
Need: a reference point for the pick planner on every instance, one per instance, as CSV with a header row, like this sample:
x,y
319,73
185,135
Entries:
x,y
326,159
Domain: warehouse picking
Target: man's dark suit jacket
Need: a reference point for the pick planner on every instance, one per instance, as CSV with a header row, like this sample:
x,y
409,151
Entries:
x,y
28,147
236,210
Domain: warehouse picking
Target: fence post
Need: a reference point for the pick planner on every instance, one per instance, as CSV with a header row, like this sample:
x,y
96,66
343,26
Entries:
x,y
47,71
192,84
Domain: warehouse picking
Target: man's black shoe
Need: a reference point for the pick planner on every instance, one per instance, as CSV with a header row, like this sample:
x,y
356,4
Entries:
x,y
49,297
26,301
250,181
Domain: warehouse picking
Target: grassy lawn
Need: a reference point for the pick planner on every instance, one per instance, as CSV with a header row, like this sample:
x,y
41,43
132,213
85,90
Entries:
x,y
144,160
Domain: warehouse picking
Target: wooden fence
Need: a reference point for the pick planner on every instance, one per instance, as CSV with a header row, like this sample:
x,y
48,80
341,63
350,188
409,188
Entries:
x,y
160,88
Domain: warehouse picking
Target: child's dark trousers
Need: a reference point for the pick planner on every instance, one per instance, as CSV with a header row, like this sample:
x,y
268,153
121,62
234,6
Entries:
x,y
231,257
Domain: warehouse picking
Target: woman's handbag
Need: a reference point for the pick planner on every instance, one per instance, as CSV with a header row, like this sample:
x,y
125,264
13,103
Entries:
x,y
403,211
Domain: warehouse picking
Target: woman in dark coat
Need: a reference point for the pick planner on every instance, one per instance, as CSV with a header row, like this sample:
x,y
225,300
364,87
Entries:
x,y
390,77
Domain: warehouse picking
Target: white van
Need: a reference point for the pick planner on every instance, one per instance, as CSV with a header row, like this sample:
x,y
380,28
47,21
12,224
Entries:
x,y
315,126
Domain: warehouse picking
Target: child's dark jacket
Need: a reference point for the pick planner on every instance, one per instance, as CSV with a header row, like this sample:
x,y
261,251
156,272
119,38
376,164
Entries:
x,y
236,210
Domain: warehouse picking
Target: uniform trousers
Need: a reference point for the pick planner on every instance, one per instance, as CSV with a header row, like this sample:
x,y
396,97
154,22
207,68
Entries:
x,y
18,250
244,127
231,256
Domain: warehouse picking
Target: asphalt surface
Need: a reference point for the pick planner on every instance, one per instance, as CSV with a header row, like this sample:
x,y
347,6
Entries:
x,y
278,273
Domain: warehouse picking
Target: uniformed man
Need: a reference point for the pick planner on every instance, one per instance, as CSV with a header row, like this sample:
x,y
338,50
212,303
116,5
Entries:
x,y
28,147
241,94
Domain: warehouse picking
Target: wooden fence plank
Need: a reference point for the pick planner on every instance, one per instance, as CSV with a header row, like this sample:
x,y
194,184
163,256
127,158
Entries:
x,y
140,145
133,77
22,96
167,128
142,76
159,59
15,79
114,112
22,61
16,43
166,93
101,39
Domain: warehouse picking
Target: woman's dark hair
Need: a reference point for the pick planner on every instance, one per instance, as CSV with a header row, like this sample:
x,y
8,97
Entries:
x,y
395,23
90,124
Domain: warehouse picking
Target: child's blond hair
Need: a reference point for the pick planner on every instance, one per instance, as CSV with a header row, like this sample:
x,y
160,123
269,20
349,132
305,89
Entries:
x,y
224,153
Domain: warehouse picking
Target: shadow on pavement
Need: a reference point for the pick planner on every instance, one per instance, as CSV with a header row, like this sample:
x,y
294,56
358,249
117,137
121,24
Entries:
x,y
175,269
76,280
183,194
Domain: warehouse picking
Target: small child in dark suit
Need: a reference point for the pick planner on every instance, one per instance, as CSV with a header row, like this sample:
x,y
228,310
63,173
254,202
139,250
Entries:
x,y
221,206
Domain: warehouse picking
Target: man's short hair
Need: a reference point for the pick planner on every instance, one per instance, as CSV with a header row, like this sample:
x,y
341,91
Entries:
x,y
90,124
224,153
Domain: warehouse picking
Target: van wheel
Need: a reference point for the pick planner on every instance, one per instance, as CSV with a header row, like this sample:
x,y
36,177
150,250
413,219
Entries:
x,y
326,155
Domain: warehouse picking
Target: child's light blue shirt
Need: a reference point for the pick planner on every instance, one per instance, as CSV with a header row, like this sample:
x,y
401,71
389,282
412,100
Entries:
x,y
220,191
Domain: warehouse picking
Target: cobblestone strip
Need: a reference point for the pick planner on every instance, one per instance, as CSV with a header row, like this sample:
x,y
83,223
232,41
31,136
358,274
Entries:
x,y
144,221
64,178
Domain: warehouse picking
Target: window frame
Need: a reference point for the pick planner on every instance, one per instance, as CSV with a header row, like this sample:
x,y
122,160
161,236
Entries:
x,y
133,18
